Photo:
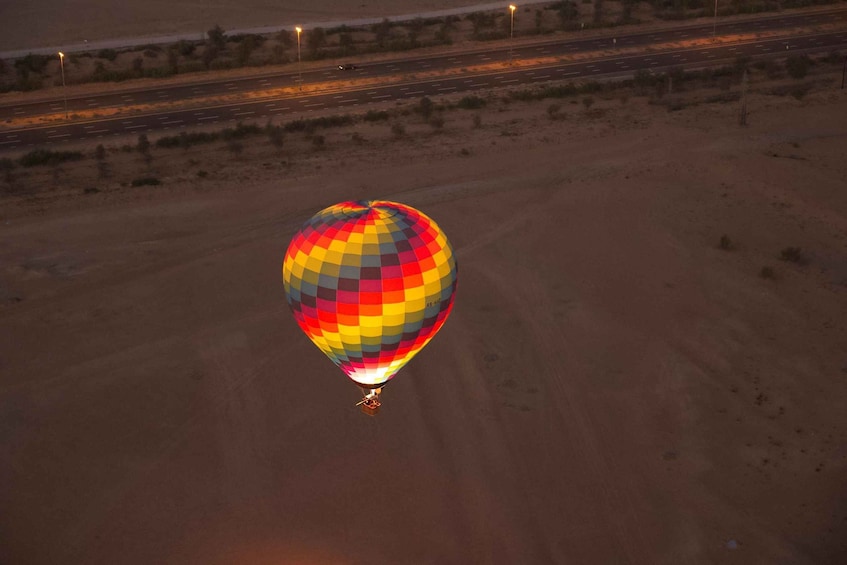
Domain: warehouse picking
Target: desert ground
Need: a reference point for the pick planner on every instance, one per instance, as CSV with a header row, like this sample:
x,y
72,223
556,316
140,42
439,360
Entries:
x,y
46,23
612,386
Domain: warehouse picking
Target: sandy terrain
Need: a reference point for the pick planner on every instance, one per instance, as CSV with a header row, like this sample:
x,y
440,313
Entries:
x,y
43,23
611,387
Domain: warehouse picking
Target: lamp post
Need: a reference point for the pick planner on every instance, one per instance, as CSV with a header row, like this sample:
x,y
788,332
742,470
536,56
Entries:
x,y
715,23
64,92
512,9
299,29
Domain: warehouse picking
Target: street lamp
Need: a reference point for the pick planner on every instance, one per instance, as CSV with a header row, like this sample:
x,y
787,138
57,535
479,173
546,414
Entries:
x,y
299,29
64,92
715,22
512,9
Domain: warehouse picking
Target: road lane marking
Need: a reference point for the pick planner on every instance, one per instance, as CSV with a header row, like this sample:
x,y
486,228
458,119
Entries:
x,y
209,118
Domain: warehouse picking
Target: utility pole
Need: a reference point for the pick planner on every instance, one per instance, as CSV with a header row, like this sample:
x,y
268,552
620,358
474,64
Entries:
x,y
299,30
64,90
512,9
715,23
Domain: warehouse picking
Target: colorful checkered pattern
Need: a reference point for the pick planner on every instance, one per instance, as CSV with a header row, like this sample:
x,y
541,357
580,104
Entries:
x,y
370,283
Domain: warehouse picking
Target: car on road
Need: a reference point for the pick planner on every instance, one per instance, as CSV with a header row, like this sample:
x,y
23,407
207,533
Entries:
x,y
347,67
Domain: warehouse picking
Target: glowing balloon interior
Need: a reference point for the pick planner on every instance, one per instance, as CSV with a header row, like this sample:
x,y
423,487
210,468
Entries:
x,y
370,283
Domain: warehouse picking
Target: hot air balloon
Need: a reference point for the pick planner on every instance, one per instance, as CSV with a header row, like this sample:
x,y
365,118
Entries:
x,y
370,283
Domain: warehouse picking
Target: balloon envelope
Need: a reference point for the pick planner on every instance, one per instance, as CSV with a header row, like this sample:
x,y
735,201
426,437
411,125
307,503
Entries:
x,y
370,283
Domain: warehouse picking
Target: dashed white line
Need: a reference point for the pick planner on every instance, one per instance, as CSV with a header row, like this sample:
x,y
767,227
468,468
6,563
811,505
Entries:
x,y
209,118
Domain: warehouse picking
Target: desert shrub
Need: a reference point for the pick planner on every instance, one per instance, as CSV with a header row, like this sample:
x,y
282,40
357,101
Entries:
x,y
793,255
773,69
184,47
146,181
318,141
376,116
48,157
437,122
108,54
725,243
187,139
241,131
471,103
588,101
276,135
425,108
767,273
644,78
7,166
202,174
798,66
310,124
217,37
477,121
398,130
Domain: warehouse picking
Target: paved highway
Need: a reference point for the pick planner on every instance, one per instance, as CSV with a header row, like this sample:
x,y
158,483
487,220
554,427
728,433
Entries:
x,y
551,67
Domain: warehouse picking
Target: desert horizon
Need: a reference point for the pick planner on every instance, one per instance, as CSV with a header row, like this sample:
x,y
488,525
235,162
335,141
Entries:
x,y
53,23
